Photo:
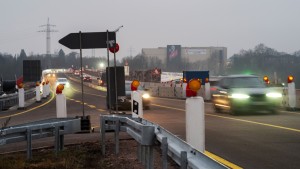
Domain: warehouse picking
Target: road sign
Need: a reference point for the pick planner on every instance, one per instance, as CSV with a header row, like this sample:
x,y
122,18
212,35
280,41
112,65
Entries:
x,y
89,40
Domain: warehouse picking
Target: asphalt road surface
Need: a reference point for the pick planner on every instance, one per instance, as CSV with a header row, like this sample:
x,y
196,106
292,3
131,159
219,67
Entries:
x,y
248,141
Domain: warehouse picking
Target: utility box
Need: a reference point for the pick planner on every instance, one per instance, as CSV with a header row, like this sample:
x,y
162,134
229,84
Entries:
x,y
111,85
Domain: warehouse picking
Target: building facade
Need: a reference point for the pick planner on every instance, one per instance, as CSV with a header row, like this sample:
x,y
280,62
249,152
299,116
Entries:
x,y
177,58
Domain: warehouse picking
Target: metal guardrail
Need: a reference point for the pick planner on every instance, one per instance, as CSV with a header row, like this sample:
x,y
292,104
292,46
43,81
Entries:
x,y
57,127
145,133
12,99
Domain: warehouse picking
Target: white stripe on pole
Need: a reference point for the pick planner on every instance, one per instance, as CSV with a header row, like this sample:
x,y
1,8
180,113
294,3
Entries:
x,y
195,124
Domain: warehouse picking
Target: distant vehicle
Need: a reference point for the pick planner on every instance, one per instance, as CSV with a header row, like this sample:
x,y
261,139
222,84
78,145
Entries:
x,y
87,78
76,73
101,81
126,103
238,94
63,81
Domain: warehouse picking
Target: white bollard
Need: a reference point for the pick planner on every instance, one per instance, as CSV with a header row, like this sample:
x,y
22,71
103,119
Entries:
x,y
37,94
44,91
184,90
207,91
21,98
48,89
292,95
195,124
136,104
61,106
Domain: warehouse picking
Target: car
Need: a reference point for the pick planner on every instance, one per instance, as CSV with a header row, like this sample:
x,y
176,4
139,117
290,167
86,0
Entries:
x,y
101,81
87,78
239,94
63,81
126,103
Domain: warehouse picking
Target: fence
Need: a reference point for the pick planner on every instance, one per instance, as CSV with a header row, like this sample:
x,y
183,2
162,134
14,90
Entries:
x,y
12,99
40,129
145,133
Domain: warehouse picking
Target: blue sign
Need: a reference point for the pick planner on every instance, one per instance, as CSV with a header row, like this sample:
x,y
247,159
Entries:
x,y
189,75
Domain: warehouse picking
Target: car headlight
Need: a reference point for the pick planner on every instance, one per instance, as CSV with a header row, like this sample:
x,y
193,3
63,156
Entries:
x,y
274,95
146,96
67,84
239,96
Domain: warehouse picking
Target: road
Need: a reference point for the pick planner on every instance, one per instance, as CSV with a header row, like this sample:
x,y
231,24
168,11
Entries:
x,y
248,141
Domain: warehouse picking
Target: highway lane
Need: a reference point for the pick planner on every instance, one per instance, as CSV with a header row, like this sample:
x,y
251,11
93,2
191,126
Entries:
x,y
250,141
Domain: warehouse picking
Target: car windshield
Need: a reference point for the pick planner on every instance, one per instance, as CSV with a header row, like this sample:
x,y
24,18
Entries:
x,y
244,82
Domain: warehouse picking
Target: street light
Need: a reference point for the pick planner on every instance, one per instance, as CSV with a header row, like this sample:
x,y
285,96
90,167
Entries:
x,y
101,65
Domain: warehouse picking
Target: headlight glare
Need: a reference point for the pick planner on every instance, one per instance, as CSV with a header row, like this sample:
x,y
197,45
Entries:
x,y
239,96
146,96
274,95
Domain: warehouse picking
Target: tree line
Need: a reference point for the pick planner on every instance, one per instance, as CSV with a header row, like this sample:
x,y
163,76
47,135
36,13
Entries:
x,y
261,61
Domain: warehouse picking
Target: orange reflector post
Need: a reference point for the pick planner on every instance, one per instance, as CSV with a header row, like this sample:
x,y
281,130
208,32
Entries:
x,y
194,85
290,79
59,89
134,85
20,85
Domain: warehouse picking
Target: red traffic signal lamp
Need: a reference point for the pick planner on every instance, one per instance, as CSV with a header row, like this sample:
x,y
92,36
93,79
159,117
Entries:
x,y
290,79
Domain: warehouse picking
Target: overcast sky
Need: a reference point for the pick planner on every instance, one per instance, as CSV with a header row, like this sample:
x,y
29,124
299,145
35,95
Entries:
x,y
235,24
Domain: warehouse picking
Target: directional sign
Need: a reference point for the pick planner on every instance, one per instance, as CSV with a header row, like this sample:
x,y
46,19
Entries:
x,y
89,40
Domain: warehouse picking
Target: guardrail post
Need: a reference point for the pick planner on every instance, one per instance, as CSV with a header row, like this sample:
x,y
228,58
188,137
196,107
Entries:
x,y
164,147
29,145
139,152
149,157
183,160
143,155
61,141
117,140
102,131
56,145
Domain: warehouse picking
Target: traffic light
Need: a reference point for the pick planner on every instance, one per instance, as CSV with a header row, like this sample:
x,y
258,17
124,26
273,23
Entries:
x,y
290,79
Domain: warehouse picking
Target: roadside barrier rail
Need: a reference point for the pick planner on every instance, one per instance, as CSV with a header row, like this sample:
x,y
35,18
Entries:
x,y
12,99
57,127
146,134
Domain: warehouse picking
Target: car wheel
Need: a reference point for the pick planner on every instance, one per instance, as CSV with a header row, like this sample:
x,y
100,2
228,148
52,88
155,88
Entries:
x,y
217,110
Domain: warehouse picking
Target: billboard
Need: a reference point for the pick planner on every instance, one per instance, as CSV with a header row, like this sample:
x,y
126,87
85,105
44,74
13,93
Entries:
x,y
174,58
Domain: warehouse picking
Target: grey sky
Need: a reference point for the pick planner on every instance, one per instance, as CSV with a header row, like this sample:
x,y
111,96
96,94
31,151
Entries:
x,y
235,24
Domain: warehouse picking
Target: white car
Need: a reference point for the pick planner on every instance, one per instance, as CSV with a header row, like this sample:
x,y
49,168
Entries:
x,y
63,81
245,93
